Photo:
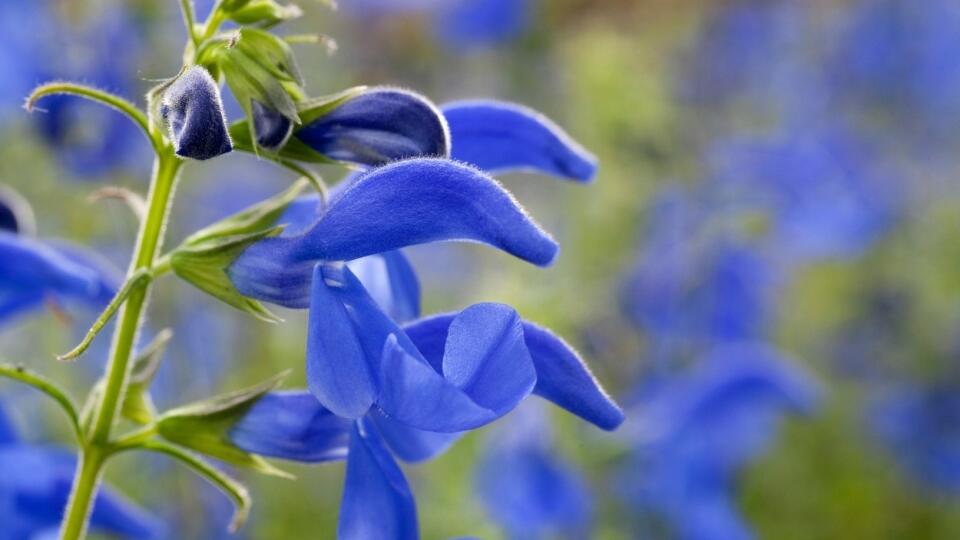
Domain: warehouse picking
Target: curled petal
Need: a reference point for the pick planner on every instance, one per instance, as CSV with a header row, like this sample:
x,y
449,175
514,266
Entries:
x,y
337,370
411,444
293,426
377,502
414,394
502,137
392,282
379,126
193,111
486,357
561,375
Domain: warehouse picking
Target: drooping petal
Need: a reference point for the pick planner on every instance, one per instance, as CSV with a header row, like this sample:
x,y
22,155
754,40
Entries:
x,y
338,374
413,393
293,426
411,444
377,502
392,282
562,376
193,111
501,137
272,128
419,201
486,357
406,203
378,126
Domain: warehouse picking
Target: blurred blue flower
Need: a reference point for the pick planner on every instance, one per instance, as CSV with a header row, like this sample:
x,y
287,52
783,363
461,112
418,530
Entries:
x,y
101,50
696,432
527,489
921,428
820,189
462,25
34,487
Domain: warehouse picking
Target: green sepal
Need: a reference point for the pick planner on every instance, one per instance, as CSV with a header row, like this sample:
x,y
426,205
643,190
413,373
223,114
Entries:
x,y
205,426
137,403
257,218
48,387
265,13
295,149
257,66
205,264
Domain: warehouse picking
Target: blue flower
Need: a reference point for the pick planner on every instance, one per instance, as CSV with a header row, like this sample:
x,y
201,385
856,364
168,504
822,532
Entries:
x,y
34,487
32,271
920,427
696,432
497,137
378,126
526,487
16,216
192,108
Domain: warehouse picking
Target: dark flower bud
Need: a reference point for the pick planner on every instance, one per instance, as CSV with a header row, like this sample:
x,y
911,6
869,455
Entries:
x,y
272,128
193,111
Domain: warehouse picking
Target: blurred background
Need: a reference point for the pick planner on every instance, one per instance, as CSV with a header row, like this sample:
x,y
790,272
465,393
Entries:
x,y
766,272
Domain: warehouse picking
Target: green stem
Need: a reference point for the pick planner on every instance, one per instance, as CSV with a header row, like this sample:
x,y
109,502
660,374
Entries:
x,y
186,8
96,448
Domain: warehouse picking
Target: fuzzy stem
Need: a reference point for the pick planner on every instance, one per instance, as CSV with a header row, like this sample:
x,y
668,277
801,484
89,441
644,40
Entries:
x,y
96,448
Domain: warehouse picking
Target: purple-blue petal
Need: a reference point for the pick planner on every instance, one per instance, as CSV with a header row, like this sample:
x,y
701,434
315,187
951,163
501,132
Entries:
x,y
411,444
338,374
392,282
292,426
377,502
378,126
500,137
272,128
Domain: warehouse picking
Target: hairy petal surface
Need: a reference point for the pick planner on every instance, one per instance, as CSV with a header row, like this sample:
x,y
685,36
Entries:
x,y
378,126
377,502
193,111
502,137
292,426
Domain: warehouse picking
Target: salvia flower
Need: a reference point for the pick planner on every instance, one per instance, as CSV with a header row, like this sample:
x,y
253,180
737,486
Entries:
x,y
696,432
377,126
34,487
192,108
497,137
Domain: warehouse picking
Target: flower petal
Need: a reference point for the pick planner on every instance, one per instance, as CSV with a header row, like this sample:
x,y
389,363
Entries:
x,y
562,376
272,128
413,393
486,357
337,371
377,502
411,444
419,201
293,426
392,282
8,431
378,126
193,111
501,137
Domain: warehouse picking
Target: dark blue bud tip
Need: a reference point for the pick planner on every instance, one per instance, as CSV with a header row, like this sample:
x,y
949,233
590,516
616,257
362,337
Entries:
x,y
272,128
193,111
16,216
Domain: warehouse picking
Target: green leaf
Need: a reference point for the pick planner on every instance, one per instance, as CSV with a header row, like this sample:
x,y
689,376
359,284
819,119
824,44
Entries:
x,y
205,426
232,488
205,264
48,387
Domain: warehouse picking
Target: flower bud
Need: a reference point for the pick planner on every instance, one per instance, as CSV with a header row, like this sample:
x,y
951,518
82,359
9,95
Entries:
x,y
272,128
193,111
